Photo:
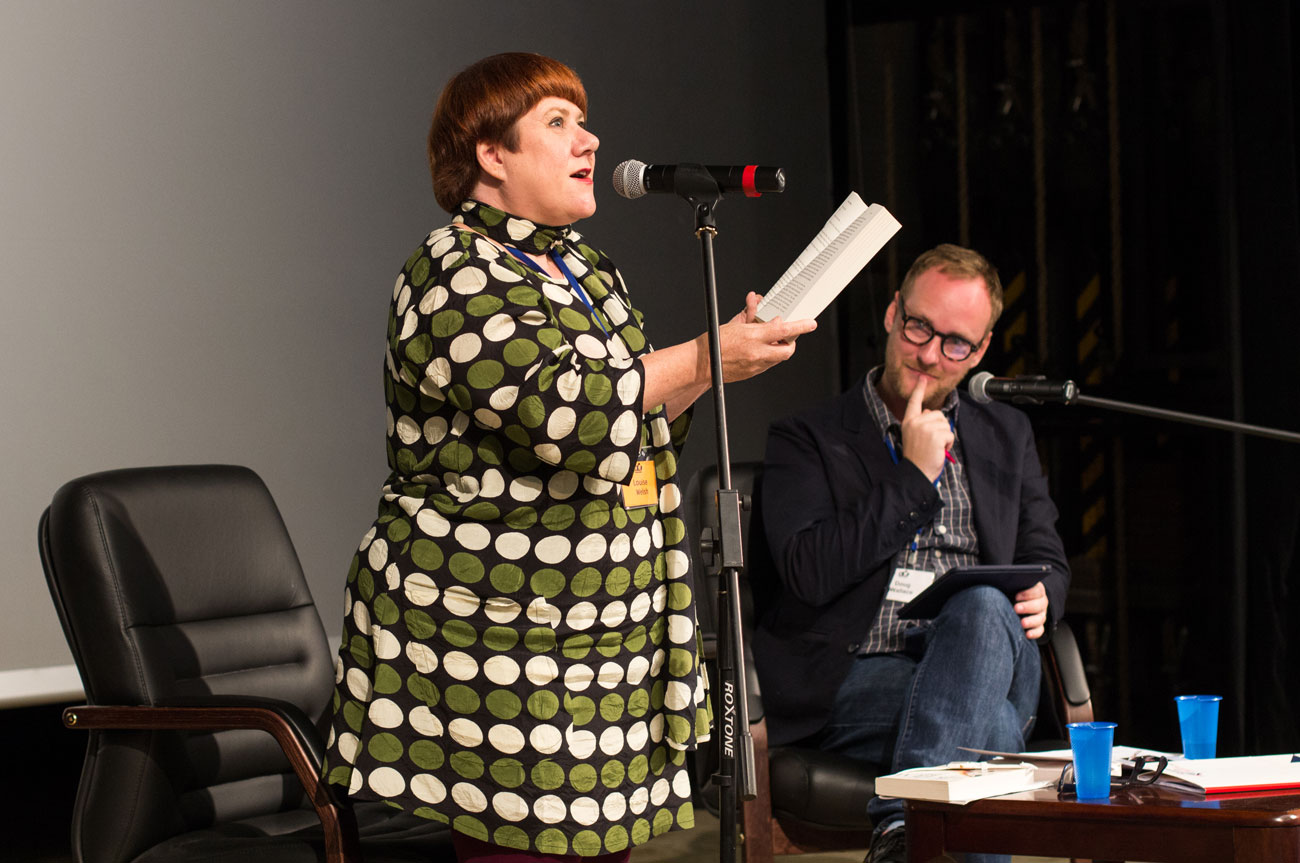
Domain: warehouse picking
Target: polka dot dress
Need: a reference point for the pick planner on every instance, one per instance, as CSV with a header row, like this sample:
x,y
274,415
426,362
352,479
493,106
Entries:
x,y
519,654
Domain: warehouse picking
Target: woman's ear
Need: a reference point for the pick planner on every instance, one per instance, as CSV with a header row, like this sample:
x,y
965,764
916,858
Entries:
x,y
490,161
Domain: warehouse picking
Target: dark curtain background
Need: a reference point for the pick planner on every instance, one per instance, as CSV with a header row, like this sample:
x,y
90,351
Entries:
x,y
1131,169
1264,41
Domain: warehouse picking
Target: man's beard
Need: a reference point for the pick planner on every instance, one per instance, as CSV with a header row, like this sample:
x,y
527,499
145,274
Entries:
x,y
936,394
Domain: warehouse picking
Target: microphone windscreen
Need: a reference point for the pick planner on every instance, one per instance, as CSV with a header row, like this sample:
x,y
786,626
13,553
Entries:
x,y
977,385
629,178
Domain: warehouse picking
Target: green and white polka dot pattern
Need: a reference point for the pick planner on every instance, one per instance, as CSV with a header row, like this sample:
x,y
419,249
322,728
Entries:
x,y
519,654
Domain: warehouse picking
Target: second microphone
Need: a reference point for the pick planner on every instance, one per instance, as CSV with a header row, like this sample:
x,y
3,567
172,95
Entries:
x,y
1023,389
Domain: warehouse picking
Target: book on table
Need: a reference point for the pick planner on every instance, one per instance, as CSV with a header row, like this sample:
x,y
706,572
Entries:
x,y
1229,775
844,245
961,781
1197,776
1047,757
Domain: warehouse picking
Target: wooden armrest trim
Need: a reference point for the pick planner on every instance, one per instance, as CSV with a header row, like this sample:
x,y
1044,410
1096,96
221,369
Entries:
x,y
341,842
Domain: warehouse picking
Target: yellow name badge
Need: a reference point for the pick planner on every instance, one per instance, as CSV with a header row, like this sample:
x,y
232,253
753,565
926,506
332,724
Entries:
x,y
643,490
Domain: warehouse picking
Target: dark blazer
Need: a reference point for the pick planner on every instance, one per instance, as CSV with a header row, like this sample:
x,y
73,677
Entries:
x,y
836,510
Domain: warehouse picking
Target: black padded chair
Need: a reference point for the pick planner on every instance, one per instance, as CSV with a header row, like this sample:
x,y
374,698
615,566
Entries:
x,y
208,677
807,800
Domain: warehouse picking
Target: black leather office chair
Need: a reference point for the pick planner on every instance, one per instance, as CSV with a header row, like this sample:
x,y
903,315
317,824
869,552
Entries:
x,y
208,677
807,800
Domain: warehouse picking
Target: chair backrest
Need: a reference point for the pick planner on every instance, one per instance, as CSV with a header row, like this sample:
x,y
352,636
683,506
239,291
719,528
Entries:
x,y
174,583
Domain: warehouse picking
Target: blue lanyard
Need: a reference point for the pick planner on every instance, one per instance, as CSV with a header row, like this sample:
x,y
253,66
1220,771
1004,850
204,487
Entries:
x,y
893,454
568,274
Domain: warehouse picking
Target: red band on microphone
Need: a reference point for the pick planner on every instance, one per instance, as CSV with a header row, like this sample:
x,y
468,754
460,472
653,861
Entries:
x,y
747,182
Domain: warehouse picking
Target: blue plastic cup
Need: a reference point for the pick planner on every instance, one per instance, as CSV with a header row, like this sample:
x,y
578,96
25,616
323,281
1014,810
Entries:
x,y
1198,719
1091,744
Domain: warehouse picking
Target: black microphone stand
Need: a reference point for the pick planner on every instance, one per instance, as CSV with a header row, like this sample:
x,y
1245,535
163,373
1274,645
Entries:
x,y
1070,395
735,777
1193,419
1073,397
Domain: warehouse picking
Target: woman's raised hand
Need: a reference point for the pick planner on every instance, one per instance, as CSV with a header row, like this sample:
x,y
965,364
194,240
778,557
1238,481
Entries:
x,y
750,347
677,375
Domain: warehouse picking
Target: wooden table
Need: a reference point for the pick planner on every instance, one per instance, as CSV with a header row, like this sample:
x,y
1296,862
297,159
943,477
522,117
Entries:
x,y
1146,824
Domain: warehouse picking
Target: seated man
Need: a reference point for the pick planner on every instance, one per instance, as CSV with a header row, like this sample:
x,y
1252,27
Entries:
x,y
865,500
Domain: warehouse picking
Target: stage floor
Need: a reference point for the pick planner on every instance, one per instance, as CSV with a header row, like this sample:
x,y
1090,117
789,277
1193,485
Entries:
x,y
700,845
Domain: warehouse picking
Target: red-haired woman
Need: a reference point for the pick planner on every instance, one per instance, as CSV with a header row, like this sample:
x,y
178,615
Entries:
x,y
519,656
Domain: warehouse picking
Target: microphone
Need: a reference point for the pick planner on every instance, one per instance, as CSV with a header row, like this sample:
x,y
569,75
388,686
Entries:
x,y
1022,389
632,179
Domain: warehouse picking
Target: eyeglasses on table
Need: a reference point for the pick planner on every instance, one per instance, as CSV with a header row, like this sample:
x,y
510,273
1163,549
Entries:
x,y
1142,770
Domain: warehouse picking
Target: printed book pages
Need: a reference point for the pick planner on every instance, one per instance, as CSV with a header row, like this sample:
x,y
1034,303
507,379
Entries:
x,y
848,240
960,782
1201,776
1118,753
1226,775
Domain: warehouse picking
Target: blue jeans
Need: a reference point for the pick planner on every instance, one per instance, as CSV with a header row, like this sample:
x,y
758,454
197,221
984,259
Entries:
x,y
971,679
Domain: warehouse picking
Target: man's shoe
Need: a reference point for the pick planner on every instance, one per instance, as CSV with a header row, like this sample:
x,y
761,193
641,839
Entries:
x,y
888,847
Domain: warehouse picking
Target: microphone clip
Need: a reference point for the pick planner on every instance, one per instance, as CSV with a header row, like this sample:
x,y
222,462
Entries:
x,y
694,183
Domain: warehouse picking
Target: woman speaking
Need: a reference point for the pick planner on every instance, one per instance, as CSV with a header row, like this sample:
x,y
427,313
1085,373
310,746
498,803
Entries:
x,y
519,656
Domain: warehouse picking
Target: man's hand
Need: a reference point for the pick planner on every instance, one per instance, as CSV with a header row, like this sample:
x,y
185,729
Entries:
x,y
926,434
1031,605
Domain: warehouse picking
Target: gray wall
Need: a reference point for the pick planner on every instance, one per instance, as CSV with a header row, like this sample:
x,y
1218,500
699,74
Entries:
x,y
203,206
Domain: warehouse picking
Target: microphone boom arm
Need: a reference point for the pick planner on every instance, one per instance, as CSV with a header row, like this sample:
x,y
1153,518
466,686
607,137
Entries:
x,y
1036,389
1192,419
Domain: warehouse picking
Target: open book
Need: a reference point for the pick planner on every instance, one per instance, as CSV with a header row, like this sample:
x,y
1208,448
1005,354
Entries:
x,y
961,781
1225,775
1199,776
848,240
1118,753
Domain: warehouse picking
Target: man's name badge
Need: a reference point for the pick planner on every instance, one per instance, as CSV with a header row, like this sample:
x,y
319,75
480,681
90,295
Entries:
x,y
907,583
643,490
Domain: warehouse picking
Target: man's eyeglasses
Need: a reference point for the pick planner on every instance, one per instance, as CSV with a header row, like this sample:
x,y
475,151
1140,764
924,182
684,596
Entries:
x,y
919,332
1143,770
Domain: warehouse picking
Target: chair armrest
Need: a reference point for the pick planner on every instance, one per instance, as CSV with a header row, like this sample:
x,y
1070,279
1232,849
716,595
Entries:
x,y
756,814
303,729
290,727
1064,667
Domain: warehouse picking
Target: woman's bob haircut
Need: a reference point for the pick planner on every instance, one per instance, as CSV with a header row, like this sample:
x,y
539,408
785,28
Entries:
x,y
482,103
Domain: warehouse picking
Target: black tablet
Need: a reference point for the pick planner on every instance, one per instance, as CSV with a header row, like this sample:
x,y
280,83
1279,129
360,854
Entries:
x,y
1010,579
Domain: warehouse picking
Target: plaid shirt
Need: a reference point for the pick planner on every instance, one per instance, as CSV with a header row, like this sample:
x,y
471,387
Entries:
x,y
948,541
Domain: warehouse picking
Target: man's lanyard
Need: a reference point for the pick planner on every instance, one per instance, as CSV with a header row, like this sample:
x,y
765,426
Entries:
x,y
893,454
568,274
